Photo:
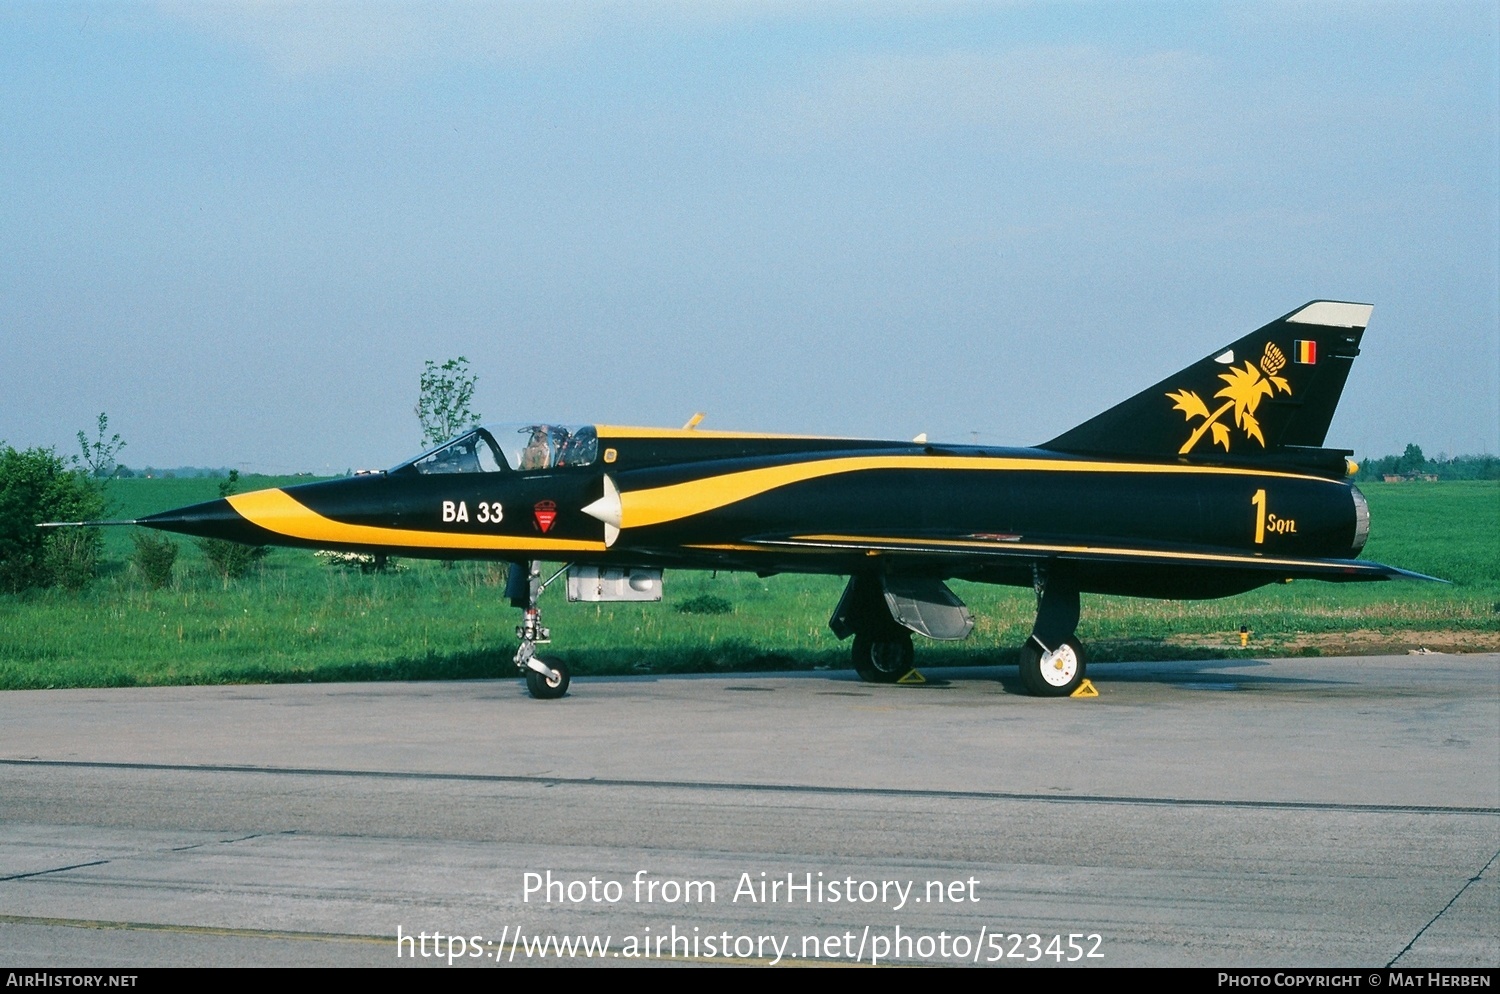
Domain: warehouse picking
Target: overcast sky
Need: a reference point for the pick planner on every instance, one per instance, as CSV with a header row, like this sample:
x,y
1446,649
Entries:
x,y
240,228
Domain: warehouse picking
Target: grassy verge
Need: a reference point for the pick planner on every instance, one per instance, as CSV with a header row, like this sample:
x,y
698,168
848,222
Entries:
x,y
296,619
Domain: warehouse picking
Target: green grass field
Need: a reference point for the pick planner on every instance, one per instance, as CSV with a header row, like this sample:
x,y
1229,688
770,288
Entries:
x,y
297,619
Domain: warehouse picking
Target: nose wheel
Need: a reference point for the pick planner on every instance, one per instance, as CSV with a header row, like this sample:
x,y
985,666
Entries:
x,y
545,681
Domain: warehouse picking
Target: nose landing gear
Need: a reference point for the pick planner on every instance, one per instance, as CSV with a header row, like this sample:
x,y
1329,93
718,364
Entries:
x,y
544,680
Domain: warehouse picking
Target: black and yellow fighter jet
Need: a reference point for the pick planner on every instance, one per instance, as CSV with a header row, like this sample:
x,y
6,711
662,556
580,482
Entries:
x,y
1212,482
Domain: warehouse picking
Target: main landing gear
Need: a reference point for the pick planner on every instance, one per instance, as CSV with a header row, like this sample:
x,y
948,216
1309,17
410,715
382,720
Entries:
x,y
882,611
1052,663
545,680
883,659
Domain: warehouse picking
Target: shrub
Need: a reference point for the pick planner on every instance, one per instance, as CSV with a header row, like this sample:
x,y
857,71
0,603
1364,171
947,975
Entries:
x,y
71,556
36,486
705,604
153,558
231,560
364,562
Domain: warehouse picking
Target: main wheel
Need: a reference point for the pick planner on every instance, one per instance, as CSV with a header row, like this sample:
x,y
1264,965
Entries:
x,y
1052,674
545,688
883,660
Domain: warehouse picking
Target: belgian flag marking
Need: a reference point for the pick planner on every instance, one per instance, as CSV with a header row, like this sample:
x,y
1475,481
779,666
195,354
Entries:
x,y
1307,352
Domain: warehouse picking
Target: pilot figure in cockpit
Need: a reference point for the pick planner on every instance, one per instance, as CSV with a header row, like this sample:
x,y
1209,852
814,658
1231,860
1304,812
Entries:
x,y
545,444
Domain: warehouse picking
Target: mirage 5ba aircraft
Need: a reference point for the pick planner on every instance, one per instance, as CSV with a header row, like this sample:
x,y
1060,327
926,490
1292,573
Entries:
x,y
1212,482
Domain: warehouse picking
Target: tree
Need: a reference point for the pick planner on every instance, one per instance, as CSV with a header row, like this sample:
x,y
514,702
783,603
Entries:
x,y
1412,460
98,456
443,403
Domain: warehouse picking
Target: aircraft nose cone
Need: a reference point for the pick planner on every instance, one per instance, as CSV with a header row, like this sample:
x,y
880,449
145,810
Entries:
x,y
211,519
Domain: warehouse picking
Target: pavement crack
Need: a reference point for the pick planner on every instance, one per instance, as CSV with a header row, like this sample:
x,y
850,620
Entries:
x,y
1467,884
55,869
248,933
230,842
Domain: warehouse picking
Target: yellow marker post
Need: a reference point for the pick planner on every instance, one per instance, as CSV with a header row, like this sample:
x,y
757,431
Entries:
x,y
1085,689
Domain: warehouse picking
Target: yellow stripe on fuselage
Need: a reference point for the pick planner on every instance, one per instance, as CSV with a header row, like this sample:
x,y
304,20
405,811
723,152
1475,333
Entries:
x,y
659,505
743,547
1008,548
277,511
609,432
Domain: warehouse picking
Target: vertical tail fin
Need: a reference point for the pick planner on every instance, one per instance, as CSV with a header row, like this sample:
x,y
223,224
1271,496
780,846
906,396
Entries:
x,y
1268,397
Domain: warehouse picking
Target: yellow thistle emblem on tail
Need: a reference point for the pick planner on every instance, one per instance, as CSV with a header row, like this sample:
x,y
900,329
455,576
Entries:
x,y
1245,389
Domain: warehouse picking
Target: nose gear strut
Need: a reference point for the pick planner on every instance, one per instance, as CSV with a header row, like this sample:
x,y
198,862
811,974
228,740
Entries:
x,y
544,680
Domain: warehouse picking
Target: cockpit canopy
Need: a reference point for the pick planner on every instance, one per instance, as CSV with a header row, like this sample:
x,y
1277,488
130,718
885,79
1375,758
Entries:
x,y
502,448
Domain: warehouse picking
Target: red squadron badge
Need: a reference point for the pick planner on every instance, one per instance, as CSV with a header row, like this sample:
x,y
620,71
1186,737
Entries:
x,y
545,512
